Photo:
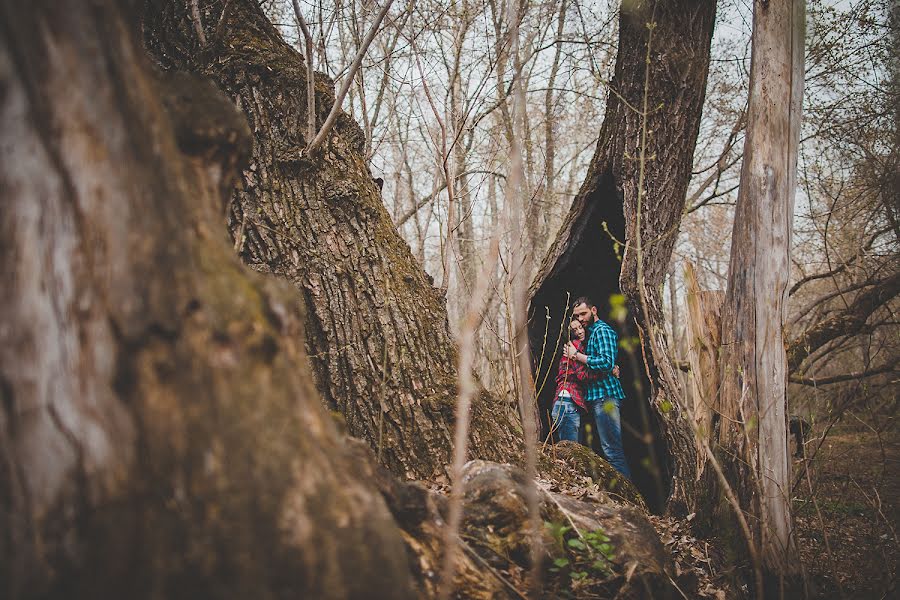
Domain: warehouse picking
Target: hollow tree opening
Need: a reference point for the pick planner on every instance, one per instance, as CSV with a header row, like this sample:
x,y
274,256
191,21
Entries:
x,y
589,266
637,184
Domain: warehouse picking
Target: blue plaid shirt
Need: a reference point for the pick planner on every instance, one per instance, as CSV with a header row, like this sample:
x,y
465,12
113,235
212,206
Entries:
x,y
602,347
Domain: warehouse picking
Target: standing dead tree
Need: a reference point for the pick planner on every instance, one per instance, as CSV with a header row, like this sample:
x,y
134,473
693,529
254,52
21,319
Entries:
x,y
751,437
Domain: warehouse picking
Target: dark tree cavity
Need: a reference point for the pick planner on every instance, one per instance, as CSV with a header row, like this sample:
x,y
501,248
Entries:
x,y
663,51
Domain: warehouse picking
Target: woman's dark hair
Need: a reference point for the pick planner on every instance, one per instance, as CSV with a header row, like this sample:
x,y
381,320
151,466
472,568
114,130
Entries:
x,y
571,334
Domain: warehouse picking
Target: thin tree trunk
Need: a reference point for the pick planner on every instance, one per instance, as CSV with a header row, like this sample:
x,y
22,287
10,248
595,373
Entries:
x,y
159,435
548,185
322,225
754,365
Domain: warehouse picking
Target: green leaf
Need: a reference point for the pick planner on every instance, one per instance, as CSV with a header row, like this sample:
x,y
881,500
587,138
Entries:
x,y
576,543
561,562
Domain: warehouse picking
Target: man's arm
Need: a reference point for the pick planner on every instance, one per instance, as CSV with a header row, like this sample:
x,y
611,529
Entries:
x,y
601,351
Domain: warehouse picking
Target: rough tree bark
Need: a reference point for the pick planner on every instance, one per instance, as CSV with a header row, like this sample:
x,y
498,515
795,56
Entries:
x,y
752,436
376,328
159,435
669,62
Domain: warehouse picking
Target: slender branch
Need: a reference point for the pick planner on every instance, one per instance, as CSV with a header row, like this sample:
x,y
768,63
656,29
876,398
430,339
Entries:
x,y
467,389
223,18
843,266
348,81
427,199
816,381
846,322
198,24
310,74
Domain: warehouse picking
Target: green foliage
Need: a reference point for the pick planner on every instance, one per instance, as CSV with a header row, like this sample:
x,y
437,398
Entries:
x,y
630,344
618,311
558,531
588,557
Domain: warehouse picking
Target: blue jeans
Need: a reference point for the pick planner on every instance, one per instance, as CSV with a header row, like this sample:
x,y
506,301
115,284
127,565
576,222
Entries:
x,y
609,430
566,420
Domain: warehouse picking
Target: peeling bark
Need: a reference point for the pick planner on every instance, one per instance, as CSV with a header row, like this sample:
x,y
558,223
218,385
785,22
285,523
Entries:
x,y
752,431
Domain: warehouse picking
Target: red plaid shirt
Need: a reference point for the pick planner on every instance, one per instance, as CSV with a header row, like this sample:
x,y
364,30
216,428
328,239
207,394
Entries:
x,y
573,376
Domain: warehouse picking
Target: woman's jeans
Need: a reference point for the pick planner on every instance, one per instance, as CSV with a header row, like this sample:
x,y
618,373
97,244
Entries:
x,y
609,429
566,420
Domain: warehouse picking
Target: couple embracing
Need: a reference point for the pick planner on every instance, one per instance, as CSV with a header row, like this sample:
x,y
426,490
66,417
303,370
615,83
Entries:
x,y
588,384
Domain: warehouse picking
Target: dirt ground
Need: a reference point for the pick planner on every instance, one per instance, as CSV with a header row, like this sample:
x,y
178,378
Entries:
x,y
847,528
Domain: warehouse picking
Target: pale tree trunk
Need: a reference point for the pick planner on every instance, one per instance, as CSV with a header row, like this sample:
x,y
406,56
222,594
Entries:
x,y
464,229
542,211
653,156
754,366
376,328
159,434
704,310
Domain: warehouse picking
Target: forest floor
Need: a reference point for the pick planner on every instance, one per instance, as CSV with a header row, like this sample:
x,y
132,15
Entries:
x,y
847,528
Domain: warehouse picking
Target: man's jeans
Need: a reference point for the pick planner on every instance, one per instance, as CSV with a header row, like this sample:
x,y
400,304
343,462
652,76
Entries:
x,y
566,420
609,429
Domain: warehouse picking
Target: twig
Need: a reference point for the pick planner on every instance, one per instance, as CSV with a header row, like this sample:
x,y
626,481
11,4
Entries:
x,y
815,381
198,24
310,75
345,86
494,571
223,18
467,389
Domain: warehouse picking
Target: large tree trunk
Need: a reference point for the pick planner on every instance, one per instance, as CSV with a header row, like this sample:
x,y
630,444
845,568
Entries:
x,y
753,428
376,327
661,72
159,435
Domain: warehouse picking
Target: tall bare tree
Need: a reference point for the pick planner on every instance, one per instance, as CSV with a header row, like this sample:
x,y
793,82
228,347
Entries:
x,y
752,407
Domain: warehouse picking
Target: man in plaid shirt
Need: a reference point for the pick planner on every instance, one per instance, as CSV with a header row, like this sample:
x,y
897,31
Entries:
x,y
604,395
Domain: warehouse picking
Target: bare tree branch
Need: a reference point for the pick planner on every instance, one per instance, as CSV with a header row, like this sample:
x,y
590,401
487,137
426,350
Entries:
x,y
348,81
427,199
843,266
846,322
310,74
198,24
815,381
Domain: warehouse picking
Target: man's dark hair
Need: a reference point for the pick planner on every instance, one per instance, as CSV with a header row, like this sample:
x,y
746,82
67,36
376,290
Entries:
x,y
583,300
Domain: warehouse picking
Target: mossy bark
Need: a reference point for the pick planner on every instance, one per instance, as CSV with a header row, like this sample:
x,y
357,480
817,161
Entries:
x,y
635,189
376,328
159,434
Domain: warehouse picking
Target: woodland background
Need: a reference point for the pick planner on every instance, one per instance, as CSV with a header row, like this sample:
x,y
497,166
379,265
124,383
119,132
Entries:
x,y
163,426
846,205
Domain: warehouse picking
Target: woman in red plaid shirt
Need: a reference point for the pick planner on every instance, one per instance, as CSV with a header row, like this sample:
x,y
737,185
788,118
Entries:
x,y
570,381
